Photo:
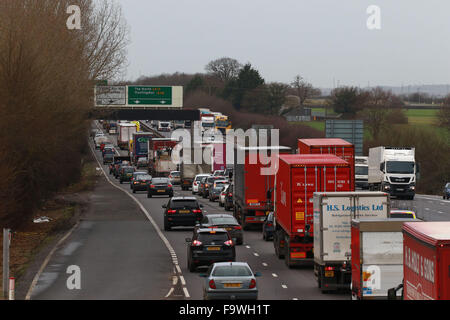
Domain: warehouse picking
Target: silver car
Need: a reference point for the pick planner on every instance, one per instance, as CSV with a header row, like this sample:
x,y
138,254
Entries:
x,y
230,280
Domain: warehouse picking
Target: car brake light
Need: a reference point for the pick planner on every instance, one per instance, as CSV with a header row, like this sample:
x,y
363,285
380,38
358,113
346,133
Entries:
x,y
171,211
212,284
152,186
195,183
329,268
238,227
196,243
252,284
229,194
196,211
269,224
229,242
169,185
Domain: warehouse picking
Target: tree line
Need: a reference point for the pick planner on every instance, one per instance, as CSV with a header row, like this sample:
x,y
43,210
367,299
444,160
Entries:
x,y
47,74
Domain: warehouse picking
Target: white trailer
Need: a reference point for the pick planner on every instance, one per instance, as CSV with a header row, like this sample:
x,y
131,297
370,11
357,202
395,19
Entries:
x,y
361,172
126,131
333,213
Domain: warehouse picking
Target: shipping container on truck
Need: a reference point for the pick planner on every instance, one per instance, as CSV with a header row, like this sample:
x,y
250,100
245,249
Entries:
x,y
426,260
140,145
298,177
126,131
160,152
333,213
253,191
377,257
337,146
189,171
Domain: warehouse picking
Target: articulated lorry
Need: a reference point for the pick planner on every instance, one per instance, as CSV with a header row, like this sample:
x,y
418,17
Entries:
x,y
126,131
189,171
362,172
298,177
333,213
393,170
377,257
140,145
426,260
160,161
337,146
253,191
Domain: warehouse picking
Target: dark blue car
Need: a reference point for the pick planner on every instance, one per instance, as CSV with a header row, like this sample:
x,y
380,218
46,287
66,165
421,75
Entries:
x,y
268,228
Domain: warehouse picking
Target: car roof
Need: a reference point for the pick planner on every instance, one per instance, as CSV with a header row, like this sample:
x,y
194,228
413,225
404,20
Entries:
x,y
217,264
220,215
141,172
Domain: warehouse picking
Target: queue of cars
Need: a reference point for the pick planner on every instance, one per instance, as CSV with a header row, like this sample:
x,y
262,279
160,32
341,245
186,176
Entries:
x,y
215,236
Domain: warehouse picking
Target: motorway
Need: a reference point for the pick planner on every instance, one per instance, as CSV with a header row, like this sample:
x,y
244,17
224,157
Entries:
x,y
123,256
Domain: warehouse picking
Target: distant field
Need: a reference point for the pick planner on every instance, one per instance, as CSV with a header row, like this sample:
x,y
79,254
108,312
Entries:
x,y
416,117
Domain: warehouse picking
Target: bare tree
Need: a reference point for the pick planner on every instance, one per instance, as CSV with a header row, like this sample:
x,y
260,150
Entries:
x,y
224,68
303,88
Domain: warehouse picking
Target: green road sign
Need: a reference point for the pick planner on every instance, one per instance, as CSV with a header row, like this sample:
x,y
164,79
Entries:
x,y
149,95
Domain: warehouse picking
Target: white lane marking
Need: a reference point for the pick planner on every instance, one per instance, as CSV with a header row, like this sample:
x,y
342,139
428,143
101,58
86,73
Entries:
x,y
248,247
284,286
255,254
440,212
428,209
149,217
274,275
174,280
47,259
294,298
183,282
170,292
264,264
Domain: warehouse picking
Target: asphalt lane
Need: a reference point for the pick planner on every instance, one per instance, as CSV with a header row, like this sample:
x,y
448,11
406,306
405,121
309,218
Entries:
x,y
278,282
118,251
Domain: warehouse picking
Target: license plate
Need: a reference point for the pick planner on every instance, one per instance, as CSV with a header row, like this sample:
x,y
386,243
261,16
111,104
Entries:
x,y
128,174
228,229
232,285
161,190
399,189
184,211
213,248
329,274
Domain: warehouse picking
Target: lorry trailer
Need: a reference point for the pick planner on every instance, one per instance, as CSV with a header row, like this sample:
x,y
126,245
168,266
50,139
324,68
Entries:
x,y
333,213
297,178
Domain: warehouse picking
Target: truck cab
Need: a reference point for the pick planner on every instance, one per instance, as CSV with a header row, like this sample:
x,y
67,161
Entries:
x,y
362,172
393,170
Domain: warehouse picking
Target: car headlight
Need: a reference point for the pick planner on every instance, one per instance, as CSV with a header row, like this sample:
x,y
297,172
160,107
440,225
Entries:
x,y
412,188
387,187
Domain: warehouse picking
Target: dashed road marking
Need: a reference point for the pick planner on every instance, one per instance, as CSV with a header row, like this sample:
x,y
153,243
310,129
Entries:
x,y
274,275
264,264
284,286
255,254
248,247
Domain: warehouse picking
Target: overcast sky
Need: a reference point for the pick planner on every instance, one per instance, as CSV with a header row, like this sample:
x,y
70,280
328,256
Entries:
x,y
326,41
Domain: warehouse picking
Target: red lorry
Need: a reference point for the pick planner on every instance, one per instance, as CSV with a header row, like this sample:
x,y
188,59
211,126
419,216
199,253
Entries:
x,y
160,162
253,192
426,260
298,177
339,147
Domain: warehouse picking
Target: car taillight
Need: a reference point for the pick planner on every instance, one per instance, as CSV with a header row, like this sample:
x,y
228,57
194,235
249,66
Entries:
x,y
228,243
238,227
269,224
152,186
196,211
171,211
196,243
230,194
252,284
212,284
329,268
169,185
195,183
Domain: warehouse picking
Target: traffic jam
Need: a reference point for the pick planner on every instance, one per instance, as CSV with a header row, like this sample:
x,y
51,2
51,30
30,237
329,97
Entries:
x,y
308,213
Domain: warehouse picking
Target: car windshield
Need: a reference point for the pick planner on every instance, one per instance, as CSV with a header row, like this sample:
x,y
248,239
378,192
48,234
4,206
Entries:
x,y
160,180
223,220
144,177
216,237
232,271
180,204
447,185
402,167
199,178
128,170
175,174
362,171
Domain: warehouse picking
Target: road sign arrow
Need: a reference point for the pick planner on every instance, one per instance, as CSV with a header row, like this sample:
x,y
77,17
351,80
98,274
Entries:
x,y
137,101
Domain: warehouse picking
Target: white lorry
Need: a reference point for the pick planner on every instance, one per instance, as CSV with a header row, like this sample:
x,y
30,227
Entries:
x,y
393,170
362,172
333,214
126,131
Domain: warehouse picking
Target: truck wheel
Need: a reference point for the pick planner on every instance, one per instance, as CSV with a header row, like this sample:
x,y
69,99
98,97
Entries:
x,y
287,256
279,252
